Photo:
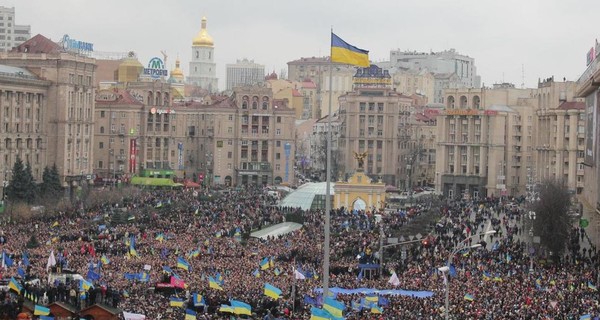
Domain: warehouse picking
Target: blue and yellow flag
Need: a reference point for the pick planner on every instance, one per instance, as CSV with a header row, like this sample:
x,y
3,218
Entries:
x,y
241,307
334,307
190,314
343,52
277,272
469,297
15,285
160,237
212,283
264,264
320,314
256,273
40,311
182,264
198,300
272,291
219,278
226,308
376,309
105,259
175,302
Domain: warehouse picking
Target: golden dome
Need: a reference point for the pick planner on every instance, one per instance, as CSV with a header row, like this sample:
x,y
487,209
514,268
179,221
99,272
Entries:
x,y
177,71
203,39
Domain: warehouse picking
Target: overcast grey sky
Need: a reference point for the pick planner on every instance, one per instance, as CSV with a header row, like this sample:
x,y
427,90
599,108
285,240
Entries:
x,y
548,37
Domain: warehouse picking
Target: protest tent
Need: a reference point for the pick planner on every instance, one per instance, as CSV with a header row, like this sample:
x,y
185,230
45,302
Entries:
x,y
276,230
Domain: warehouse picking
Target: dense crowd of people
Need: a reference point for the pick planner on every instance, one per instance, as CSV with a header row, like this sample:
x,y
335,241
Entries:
x,y
129,251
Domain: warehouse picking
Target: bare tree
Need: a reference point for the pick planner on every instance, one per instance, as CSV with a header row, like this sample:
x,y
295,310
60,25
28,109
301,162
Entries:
x,y
552,223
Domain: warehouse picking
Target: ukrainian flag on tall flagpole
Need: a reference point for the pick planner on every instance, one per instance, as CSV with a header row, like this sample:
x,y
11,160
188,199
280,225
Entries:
x,y
343,52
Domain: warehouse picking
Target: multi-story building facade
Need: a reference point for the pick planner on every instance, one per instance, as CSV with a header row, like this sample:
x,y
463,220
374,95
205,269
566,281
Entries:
x,y
492,141
244,73
11,34
559,139
318,148
260,145
23,129
203,69
588,88
447,61
371,119
317,70
67,115
411,82
243,139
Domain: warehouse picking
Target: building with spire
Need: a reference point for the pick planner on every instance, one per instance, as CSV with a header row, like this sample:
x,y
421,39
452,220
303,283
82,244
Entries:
x,y
203,69
177,81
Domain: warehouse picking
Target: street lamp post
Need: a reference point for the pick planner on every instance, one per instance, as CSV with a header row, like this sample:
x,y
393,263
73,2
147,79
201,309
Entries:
x,y
446,269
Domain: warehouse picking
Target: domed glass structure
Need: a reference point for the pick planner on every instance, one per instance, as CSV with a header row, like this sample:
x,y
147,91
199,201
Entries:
x,y
308,196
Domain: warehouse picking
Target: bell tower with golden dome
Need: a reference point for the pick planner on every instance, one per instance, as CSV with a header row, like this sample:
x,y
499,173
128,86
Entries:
x,y
203,69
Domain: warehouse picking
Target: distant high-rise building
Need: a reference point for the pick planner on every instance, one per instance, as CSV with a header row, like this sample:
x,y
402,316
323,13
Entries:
x,y
11,35
442,64
203,69
244,73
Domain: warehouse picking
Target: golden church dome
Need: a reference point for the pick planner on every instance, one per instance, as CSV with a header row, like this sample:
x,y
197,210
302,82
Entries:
x,y
203,39
177,73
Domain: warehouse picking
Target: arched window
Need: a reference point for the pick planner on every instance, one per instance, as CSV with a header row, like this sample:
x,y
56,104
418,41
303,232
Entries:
x,y
150,99
476,102
197,54
450,104
101,129
265,103
255,102
166,99
245,102
158,99
463,101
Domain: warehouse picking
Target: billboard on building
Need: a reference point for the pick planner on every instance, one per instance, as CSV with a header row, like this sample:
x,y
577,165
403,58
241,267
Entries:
x,y
590,129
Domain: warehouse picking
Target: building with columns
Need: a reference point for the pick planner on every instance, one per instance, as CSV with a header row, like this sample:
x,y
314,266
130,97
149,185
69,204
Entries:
x,y
492,141
371,119
52,115
588,88
203,69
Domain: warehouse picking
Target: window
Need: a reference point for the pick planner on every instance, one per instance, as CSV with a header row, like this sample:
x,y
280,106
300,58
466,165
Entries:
x,y
362,107
230,117
278,167
100,164
277,156
278,143
101,145
101,129
229,155
278,132
278,119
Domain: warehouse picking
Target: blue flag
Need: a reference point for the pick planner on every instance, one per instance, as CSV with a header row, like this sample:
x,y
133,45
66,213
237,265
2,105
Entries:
x,y
21,272
452,271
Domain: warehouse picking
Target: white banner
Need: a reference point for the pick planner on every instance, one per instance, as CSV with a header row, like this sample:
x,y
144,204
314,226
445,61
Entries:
x,y
133,316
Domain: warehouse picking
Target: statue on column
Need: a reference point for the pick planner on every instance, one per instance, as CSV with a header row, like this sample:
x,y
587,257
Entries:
x,y
360,157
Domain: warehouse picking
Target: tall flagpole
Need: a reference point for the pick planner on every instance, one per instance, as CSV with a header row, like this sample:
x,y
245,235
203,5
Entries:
x,y
328,185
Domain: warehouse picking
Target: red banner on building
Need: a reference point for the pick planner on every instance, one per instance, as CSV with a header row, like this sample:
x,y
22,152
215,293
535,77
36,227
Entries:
x,y
132,155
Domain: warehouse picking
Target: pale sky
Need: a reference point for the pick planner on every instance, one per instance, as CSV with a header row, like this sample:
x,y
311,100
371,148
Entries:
x,y
547,37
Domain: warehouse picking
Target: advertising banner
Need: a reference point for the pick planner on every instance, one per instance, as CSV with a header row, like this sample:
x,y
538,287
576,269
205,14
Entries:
x,y
590,129
132,155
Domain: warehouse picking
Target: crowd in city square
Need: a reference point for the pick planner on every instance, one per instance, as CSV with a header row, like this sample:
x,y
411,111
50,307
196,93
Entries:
x,y
179,251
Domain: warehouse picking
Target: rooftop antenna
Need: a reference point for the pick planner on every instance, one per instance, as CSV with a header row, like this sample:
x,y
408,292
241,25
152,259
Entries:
x,y
522,76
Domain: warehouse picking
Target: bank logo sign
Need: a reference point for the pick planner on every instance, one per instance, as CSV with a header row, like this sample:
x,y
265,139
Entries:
x,y
156,68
